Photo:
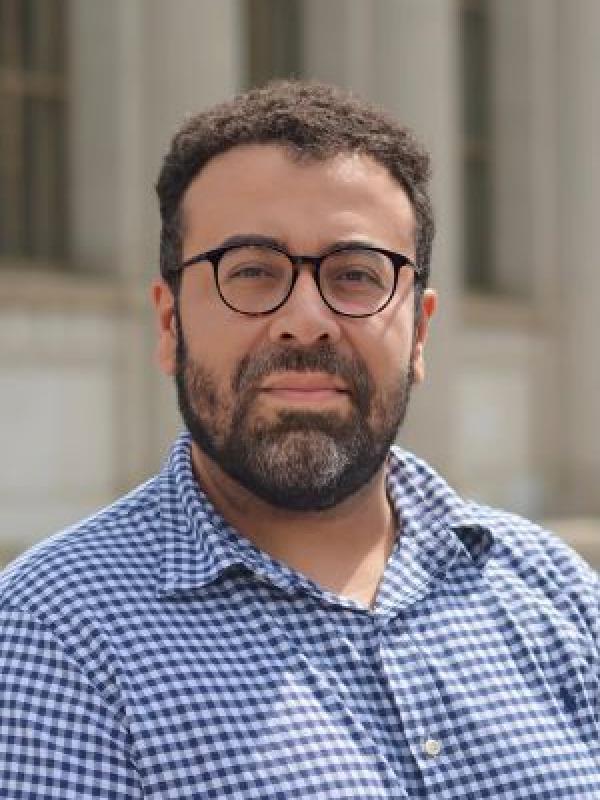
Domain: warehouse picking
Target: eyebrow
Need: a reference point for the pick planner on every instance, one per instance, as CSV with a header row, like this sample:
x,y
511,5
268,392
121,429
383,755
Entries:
x,y
252,238
278,244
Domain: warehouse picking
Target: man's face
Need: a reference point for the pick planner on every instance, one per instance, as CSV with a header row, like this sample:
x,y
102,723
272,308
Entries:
x,y
300,406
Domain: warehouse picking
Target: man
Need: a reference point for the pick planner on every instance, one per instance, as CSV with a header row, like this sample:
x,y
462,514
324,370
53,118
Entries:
x,y
293,607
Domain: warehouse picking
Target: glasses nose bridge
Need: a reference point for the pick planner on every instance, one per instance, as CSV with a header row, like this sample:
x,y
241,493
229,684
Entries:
x,y
297,261
314,261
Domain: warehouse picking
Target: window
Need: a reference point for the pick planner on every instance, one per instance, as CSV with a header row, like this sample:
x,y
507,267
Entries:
x,y
33,163
477,145
274,43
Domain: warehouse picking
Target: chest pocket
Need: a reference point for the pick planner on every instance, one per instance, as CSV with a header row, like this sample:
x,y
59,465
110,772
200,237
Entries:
x,y
567,659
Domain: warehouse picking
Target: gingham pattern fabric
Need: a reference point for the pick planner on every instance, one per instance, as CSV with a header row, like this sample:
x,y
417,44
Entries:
x,y
153,652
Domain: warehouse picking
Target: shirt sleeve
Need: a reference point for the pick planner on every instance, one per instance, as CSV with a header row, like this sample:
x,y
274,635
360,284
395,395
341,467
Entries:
x,y
59,737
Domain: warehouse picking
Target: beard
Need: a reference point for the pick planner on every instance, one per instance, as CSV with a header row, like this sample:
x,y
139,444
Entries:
x,y
296,460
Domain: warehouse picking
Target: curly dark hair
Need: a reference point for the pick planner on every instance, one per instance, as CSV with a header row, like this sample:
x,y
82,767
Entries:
x,y
313,121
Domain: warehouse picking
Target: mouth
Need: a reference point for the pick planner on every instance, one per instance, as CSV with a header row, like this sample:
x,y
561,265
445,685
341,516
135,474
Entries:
x,y
305,389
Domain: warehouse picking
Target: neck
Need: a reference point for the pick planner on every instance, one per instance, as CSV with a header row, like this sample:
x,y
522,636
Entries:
x,y
343,549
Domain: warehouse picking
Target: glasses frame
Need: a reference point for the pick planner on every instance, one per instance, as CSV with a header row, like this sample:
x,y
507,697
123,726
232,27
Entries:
x,y
215,255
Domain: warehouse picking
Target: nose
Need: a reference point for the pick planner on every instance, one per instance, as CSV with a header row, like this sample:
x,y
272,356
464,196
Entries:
x,y
305,317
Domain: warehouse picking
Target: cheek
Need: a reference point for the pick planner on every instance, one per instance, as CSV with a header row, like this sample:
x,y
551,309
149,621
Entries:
x,y
213,358
208,333
218,350
386,353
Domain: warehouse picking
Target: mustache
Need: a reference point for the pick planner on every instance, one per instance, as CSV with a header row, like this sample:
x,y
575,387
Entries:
x,y
324,358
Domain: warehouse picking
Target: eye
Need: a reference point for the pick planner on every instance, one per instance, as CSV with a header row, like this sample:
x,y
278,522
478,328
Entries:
x,y
358,275
358,270
252,265
250,272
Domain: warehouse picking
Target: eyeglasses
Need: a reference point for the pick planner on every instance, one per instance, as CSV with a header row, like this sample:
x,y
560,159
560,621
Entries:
x,y
255,278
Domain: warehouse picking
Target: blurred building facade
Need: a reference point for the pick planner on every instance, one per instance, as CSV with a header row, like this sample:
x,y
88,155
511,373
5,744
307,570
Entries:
x,y
501,92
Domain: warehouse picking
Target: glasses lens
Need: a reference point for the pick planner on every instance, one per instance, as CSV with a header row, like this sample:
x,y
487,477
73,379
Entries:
x,y
254,279
357,281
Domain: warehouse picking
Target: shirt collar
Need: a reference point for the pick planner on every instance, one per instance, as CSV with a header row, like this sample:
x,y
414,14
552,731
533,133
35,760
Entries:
x,y
200,546
427,506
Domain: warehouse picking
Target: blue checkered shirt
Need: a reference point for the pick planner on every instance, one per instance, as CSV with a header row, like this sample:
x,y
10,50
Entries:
x,y
153,652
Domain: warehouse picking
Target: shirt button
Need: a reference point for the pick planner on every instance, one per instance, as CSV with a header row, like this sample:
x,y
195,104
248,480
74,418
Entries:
x,y
432,747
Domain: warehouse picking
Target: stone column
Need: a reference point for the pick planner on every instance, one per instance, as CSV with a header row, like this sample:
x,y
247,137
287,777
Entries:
x,y
138,67
579,225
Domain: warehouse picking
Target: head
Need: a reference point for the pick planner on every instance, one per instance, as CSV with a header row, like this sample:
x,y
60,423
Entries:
x,y
299,406
313,122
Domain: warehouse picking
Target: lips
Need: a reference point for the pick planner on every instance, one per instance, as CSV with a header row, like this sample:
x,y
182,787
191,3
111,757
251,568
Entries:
x,y
304,388
304,382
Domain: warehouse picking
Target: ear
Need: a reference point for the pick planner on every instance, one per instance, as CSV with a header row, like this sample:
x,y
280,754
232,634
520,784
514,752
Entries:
x,y
428,307
166,325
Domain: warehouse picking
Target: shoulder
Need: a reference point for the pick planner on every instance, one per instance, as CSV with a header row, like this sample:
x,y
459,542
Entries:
x,y
524,560
539,556
101,557
526,544
534,573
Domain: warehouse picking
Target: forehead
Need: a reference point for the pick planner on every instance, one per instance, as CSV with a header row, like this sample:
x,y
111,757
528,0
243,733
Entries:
x,y
265,189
